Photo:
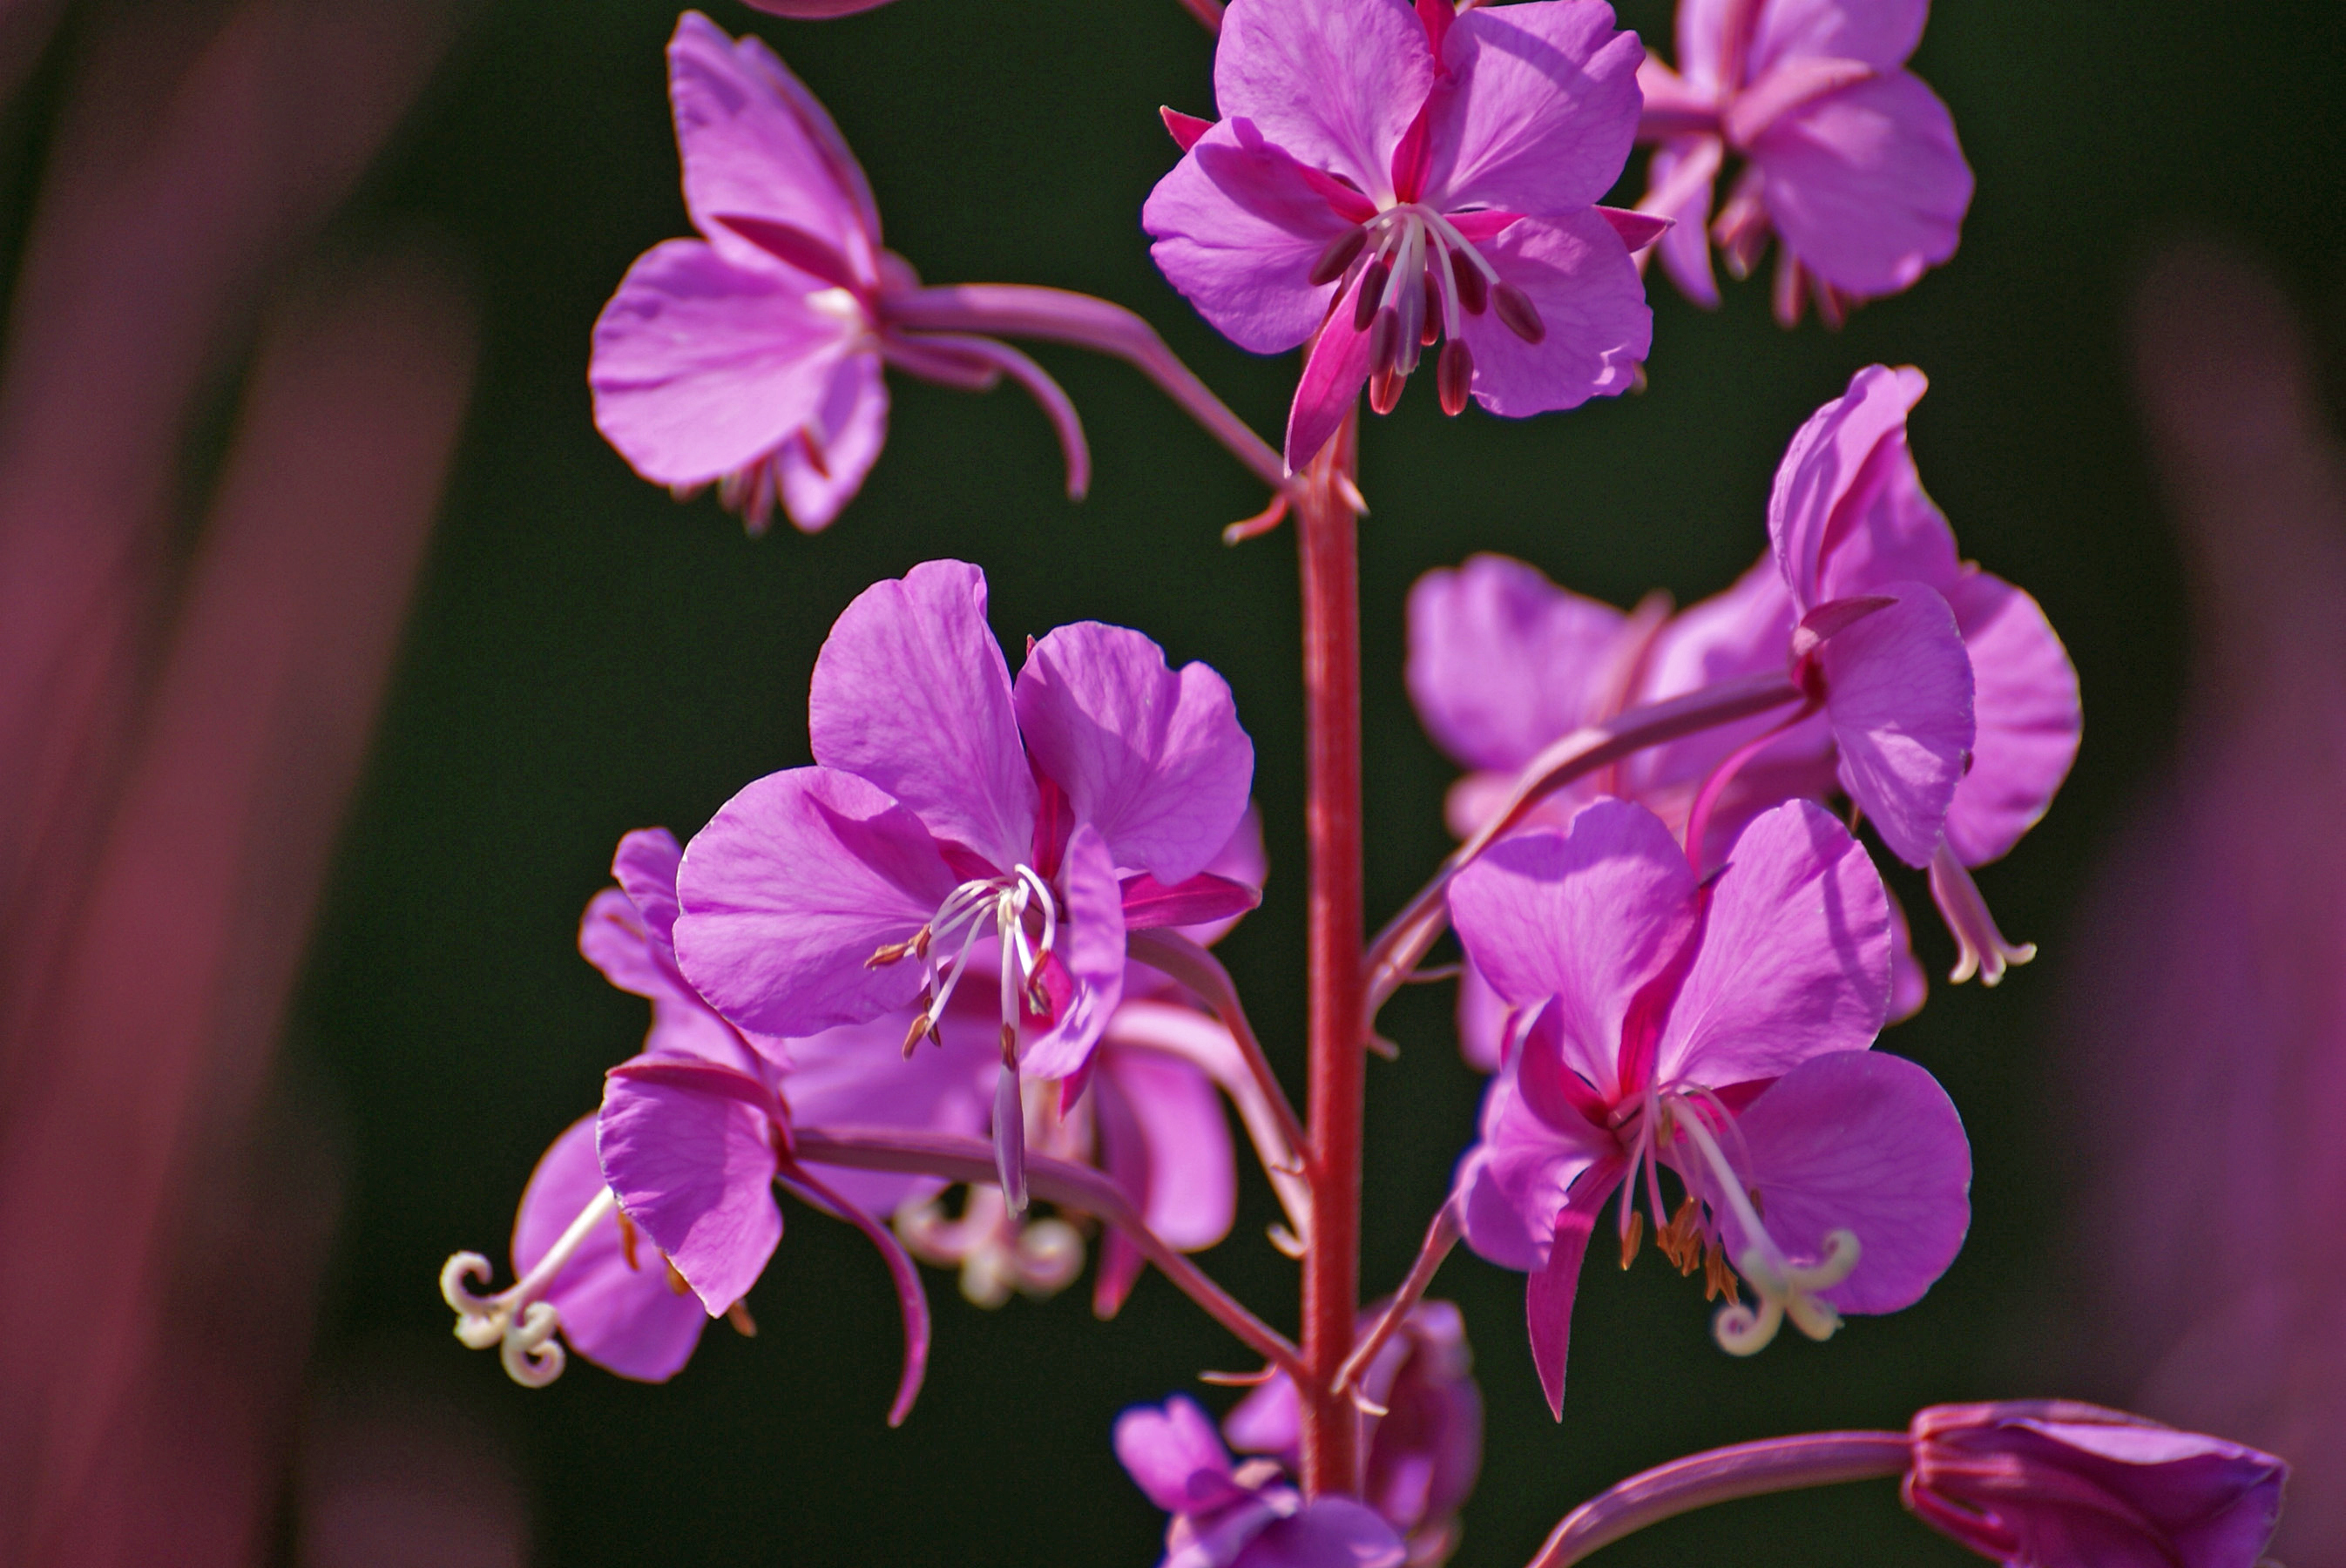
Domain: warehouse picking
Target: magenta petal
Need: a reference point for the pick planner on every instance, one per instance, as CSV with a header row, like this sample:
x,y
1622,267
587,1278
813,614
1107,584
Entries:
x,y
613,937
1865,1142
1238,228
1501,661
1091,946
695,1171
793,885
1910,985
1333,1532
623,1319
1688,169
1482,1021
1867,185
911,694
823,470
1795,956
1898,691
1881,33
1332,82
1152,758
1175,1456
700,367
1191,1195
645,867
1548,1293
1333,374
1579,276
1828,457
1586,919
857,1076
757,144
1542,108
2025,697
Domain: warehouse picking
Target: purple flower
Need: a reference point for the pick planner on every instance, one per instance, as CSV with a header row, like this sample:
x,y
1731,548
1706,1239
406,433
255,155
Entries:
x,y
1243,1518
1848,157
955,824
750,358
1385,178
1421,1457
2050,1483
1719,1027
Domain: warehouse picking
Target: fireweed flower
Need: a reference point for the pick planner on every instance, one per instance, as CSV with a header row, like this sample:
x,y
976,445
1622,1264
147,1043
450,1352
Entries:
x,y
1249,1517
751,357
1719,1027
955,826
1420,1455
1848,158
1389,179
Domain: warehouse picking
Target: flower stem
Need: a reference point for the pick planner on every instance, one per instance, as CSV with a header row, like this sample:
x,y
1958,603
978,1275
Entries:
x,y
1441,1236
1326,540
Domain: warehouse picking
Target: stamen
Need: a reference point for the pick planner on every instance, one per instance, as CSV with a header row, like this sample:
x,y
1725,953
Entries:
x,y
1632,1238
1454,376
1338,256
1474,291
1372,291
1980,948
677,1283
627,1241
923,1025
738,1316
1431,332
1784,1287
1384,345
1384,390
1516,312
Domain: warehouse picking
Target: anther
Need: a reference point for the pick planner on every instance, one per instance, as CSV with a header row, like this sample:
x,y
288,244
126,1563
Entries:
x,y
920,1026
1632,1238
1384,390
626,1239
1718,1280
1473,293
1384,343
1454,375
738,1316
1337,255
1431,332
676,1282
1518,313
1372,294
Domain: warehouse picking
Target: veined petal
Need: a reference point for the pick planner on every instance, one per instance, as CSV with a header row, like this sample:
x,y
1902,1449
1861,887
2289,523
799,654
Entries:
x,y
1795,956
1175,1456
1884,528
1333,82
1865,1142
644,866
694,1170
613,938
623,1318
1152,758
1091,947
1238,229
1898,692
1586,918
835,449
1881,33
1868,185
1501,661
757,144
1687,169
1823,464
1189,1195
910,693
1743,630
858,1076
1513,1184
1540,111
2025,697
702,367
1578,276
793,885
1333,374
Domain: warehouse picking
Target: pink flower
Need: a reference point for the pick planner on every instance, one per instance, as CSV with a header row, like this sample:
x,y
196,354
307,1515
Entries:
x,y
1848,158
958,825
1720,1027
750,358
2051,1483
1387,179
1244,1517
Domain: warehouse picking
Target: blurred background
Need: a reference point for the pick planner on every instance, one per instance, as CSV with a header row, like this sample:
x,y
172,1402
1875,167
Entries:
x,y
337,651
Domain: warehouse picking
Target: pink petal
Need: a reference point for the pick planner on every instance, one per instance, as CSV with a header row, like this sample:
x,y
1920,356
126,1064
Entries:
x,y
1827,457
1164,1139
910,693
1203,900
795,882
1334,83
2029,722
1238,229
1579,276
823,469
1091,946
613,937
1700,33
1175,1455
1689,171
695,1171
1674,106
1881,33
1898,691
1586,919
700,367
1910,984
1745,630
1867,185
1541,111
858,1076
1795,956
1333,1532
626,1321
1482,1021
1501,661
1868,1143
757,144
1883,528
1333,374
1152,758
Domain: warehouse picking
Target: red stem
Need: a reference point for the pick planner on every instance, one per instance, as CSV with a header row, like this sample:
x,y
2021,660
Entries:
x,y
1325,533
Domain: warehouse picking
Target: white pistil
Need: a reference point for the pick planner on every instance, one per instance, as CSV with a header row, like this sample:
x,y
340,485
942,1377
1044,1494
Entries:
x,y
516,1319
1785,1288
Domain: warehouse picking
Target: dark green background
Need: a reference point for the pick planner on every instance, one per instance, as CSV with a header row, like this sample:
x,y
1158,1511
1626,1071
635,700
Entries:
x,y
587,657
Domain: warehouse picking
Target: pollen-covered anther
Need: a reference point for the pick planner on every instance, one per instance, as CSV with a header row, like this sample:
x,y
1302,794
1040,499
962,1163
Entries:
x,y
914,946
1681,1240
1632,1238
